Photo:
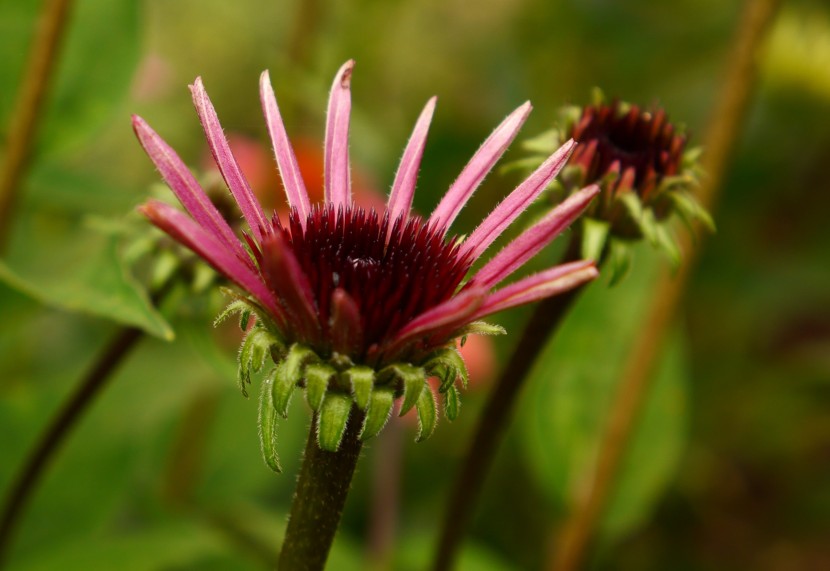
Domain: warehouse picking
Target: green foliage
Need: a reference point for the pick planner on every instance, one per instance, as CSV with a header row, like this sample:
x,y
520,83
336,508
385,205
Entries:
x,y
572,388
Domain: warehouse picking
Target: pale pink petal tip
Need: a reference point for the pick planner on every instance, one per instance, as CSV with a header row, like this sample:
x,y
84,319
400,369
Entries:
x,y
516,203
289,168
221,150
337,184
403,189
482,162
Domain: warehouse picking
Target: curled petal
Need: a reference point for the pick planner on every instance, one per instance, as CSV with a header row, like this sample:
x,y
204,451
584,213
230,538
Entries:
x,y
337,183
403,189
482,162
532,240
538,286
226,162
283,151
518,200
190,234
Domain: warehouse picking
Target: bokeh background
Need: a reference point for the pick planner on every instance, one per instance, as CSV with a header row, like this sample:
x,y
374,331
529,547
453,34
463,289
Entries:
x,y
729,467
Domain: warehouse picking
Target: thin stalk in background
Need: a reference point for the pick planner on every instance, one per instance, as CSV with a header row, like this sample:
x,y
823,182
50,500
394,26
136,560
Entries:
x,y
66,419
323,484
495,417
51,27
726,125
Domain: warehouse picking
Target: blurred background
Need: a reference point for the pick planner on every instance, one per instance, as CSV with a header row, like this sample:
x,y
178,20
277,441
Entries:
x,y
729,465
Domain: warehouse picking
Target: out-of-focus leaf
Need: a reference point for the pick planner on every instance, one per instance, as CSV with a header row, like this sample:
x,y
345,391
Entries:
x,y
416,550
84,274
572,388
172,546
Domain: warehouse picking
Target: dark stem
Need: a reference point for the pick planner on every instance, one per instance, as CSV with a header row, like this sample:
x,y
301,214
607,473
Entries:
x,y
51,25
495,417
59,429
322,487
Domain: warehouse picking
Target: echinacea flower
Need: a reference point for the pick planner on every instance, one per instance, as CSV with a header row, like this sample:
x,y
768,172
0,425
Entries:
x,y
640,161
358,306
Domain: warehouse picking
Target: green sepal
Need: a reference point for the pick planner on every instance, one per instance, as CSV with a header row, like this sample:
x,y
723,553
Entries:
x,y
240,306
268,427
481,328
252,353
544,143
331,422
648,225
287,374
619,261
448,365
452,403
594,236
362,380
690,209
427,414
667,243
378,412
413,384
317,377
632,204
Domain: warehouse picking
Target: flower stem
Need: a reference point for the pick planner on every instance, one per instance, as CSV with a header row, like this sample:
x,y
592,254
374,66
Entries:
x,y
495,417
726,124
52,22
322,487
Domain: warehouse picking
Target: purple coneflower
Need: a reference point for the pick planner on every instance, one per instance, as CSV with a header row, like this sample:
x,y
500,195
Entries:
x,y
356,306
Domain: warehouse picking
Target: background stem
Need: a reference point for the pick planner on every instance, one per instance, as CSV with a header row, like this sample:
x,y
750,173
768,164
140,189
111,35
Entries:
x,y
495,417
726,124
324,482
27,110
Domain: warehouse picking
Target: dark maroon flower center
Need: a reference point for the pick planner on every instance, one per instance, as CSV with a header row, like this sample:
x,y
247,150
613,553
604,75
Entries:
x,y
639,140
393,271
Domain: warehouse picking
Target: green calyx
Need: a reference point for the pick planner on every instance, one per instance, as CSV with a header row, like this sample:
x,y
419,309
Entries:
x,y
333,384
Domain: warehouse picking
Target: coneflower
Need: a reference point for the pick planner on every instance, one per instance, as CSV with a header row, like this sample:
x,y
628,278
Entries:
x,y
359,307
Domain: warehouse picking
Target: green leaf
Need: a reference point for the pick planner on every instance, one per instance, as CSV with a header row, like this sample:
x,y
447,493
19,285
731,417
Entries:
x,y
331,423
572,388
452,403
85,275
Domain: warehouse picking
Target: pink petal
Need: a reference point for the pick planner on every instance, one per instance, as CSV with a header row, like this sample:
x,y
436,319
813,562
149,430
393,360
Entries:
x,y
226,162
532,240
181,181
450,315
285,276
403,189
337,183
190,234
538,286
518,200
283,151
467,182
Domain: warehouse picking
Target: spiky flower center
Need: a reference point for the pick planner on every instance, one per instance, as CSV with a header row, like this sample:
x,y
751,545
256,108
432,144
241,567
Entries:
x,y
642,144
393,270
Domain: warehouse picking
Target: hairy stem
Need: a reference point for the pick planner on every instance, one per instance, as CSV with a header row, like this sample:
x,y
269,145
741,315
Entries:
x,y
496,415
726,124
27,110
324,482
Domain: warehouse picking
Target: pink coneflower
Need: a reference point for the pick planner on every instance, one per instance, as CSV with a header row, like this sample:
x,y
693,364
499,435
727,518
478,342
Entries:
x,y
346,294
